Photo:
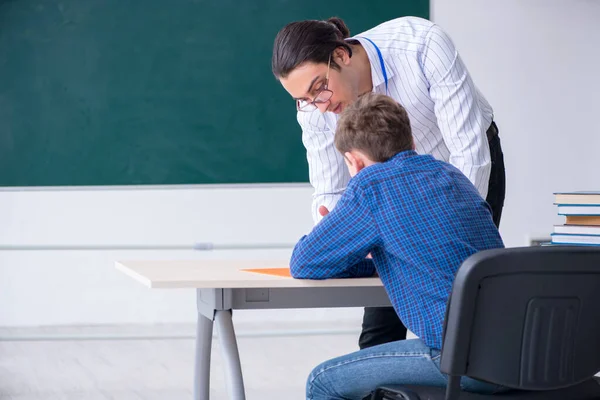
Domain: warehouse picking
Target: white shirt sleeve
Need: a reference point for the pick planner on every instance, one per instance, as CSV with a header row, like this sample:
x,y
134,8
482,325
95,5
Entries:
x,y
457,108
327,171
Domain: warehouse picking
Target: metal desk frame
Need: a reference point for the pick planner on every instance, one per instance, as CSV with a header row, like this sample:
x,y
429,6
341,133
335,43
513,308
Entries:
x,y
216,305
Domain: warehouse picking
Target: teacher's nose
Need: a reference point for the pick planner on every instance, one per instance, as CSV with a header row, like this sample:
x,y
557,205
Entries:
x,y
323,106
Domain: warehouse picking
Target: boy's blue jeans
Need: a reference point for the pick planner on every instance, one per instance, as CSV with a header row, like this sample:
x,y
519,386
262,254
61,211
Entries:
x,y
405,362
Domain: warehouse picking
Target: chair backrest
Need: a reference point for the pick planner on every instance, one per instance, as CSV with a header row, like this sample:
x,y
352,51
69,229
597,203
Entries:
x,y
526,318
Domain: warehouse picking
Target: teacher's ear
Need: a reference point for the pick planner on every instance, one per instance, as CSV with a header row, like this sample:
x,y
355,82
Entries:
x,y
342,56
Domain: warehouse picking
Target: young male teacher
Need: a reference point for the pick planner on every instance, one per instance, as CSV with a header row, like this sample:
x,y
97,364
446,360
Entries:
x,y
413,61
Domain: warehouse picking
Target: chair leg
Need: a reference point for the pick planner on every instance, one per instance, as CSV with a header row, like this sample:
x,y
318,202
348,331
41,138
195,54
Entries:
x,y
453,388
393,394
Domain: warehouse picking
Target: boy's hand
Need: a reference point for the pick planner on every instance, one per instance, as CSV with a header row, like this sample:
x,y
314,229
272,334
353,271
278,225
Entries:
x,y
324,211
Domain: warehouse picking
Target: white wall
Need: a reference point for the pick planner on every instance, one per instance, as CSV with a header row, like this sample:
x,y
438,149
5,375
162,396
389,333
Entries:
x,y
535,60
83,287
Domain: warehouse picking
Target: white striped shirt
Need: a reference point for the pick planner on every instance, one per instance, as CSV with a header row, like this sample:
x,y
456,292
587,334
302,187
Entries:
x,y
448,115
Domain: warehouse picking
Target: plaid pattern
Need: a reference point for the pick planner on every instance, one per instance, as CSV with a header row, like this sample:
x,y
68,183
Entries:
x,y
420,218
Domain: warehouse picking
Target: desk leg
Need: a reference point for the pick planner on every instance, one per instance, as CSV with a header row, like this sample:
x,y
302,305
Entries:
x,y
204,331
231,356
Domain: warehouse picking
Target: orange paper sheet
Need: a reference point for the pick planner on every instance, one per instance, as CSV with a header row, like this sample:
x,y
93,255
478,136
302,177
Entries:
x,y
285,272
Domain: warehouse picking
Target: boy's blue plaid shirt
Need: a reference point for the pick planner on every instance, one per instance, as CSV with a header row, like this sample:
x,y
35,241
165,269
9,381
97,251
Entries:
x,y
420,218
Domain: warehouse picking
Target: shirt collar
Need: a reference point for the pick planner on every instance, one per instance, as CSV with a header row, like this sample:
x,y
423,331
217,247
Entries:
x,y
403,155
376,70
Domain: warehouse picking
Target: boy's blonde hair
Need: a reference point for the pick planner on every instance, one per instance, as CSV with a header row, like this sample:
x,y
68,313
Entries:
x,y
376,125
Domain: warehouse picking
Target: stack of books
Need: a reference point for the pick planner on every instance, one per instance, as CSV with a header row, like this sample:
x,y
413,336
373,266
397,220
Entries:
x,y
582,225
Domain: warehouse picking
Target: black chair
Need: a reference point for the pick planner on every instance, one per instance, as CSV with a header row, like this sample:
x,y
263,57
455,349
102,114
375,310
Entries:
x,y
524,318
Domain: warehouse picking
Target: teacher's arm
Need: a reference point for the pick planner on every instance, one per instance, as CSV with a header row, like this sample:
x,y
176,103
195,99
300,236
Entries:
x,y
457,109
327,171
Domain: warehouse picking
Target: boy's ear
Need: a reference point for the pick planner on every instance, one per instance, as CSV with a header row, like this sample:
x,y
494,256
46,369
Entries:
x,y
350,158
355,161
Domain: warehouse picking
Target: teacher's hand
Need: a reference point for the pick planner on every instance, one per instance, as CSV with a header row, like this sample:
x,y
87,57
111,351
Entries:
x,y
323,211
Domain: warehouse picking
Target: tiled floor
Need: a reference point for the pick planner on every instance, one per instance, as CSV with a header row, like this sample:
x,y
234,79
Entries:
x,y
275,367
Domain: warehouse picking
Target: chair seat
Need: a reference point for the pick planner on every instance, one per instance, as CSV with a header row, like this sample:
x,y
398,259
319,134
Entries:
x,y
587,390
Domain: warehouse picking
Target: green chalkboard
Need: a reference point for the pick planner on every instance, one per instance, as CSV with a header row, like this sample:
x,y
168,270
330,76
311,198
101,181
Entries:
x,y
126,92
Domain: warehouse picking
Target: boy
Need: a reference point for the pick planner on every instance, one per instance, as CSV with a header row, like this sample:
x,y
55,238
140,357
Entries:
x,y
419,218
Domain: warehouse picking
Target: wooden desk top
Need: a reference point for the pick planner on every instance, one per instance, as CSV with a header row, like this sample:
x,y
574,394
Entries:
x,y
224,274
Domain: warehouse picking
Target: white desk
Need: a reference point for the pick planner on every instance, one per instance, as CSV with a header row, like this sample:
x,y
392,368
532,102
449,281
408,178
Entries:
x,y
222,286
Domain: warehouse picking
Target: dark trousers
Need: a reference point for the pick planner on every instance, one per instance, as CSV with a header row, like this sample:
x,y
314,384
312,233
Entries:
x,y
381,324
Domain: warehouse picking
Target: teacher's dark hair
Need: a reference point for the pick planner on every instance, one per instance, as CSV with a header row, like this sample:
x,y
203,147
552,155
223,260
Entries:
x,y
308,41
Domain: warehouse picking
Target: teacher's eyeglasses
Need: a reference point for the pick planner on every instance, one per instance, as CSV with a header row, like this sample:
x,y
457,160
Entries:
x,y
322,95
